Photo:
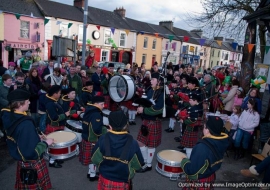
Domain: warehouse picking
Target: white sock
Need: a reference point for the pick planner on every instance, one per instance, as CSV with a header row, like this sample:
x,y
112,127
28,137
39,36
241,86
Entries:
x,y
52,160
180,126
150,156
170,123
173,123
92,170
144,153
133,115
253,170
130,115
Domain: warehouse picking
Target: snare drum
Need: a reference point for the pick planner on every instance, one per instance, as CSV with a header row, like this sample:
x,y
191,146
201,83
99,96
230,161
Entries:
x,y
169,163
65,144
106,114
76,127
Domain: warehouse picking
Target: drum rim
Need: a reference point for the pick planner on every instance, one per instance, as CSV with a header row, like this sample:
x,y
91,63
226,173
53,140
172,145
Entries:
x,y
62,156
75,129
104,114
64,144
126,85
167,174
172,163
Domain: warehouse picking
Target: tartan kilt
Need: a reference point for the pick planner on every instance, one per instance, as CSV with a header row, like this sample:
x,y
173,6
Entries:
x,y
209,180
105,184
49,129
43,181
217,104
107,101
85,152
189,138
153,139
130,106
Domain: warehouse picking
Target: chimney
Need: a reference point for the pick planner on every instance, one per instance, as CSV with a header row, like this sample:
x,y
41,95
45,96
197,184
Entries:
x,y
218,38
199,32
78,3
120,11
168,24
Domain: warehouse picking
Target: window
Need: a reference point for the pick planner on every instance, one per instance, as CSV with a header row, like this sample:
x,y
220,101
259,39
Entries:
x,y
218,53
227,56
222,55
144,58
123,37
167,45
174,46
213,52
64,31
196,50
107,35
105,55
238,57
25,29
80,35
217,62
154,44
145,41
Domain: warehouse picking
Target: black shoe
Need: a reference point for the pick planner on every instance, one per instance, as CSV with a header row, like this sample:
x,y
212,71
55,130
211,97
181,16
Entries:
x,y
180,147
170,130
177,139
130,123
93,178
183,151
133,122
55,165
143,169
59,161
167,129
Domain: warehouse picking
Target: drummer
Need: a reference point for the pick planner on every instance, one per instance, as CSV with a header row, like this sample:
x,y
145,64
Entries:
x,y
105,85
207,156
87,93
23,141
149,136
117,155
71,104
56,117
92,128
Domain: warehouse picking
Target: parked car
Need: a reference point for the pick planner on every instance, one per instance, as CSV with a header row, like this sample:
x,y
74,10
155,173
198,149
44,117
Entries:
x,y
116,65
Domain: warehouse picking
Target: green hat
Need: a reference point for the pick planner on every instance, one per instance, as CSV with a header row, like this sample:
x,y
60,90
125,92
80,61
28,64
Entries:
x,y
258,81
227,80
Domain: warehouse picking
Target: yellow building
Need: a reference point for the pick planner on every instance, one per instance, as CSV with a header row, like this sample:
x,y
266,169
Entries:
x,y
148,49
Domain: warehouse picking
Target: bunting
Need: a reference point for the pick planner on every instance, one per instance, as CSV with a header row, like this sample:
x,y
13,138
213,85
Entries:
x,y
17,16
113,29
127,32
69,25
267,49
58,22
46,21
141,32
171,37
234,45
250,47
186,39
219,42
98,27
156,34
202,41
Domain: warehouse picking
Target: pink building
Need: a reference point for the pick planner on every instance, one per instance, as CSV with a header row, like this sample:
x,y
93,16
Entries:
x,y
22,35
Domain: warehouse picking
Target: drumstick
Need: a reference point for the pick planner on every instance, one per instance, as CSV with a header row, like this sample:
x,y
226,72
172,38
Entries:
x,y
45,137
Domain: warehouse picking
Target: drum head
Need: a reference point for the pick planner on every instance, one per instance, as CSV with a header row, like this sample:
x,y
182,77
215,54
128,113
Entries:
x,y
121,88
106,112
62,136
172,155
76,124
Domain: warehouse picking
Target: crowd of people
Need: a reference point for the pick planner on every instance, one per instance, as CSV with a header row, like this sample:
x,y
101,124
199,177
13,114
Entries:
x,y
191,92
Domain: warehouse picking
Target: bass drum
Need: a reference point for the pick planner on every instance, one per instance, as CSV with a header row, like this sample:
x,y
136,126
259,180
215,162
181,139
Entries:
x,y
121,88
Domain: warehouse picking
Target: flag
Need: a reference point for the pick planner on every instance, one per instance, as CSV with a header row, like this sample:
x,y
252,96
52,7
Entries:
x,y
219,42
127,31
250,47
156,34
234,45
202,41
98,27
46,21
171,37
69,25
17,16
113,29
186,39
191,48
141,32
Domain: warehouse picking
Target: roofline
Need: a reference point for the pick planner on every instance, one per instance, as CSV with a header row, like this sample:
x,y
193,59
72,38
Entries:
x,y
23,15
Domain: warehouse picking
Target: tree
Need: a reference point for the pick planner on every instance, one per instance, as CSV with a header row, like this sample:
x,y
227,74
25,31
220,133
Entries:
x,y
226,17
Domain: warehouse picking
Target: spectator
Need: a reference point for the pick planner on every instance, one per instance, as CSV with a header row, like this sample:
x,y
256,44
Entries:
x,y
238,98
48,70
4,90
65,82
55,78
11,70
19,82
2,68
146,82
75,80
255,94
229,100
96,79
84,77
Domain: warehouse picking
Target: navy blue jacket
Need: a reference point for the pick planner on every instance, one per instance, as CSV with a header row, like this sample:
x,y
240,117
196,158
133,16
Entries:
x,y
86,96
202,162
115,170
24,138
41,101
97,82
55,113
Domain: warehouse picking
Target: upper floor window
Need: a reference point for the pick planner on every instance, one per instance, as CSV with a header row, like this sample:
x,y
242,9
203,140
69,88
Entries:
x,y
218,53
123,37
107,35
64,31
80,36
213,52
154,44
25,29
145,42
174,46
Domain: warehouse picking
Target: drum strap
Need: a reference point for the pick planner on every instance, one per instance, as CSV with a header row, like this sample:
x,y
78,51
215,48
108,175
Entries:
x,y
125,151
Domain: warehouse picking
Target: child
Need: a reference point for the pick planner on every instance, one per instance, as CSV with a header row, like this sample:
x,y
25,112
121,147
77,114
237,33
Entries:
x,y
238,99
87,93
11,70
248,120
234,120
41,105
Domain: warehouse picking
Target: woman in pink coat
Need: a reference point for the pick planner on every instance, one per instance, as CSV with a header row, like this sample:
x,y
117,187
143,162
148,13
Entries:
x,y
229,100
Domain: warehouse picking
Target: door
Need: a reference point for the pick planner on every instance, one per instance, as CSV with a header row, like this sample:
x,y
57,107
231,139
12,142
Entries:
x,y
126,58
115,56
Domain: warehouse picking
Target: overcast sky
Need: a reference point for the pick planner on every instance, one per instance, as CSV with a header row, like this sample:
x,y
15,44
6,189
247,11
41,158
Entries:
x,y
151,11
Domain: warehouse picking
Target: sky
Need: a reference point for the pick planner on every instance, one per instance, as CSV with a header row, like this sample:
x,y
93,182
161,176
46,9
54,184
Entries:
x,y
151,11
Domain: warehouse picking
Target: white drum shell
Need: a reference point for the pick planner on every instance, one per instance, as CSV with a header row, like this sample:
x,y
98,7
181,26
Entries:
x,y
77,130
106,116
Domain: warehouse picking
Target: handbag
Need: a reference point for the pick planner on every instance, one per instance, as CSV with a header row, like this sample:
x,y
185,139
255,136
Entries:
x,y
144,130
28,175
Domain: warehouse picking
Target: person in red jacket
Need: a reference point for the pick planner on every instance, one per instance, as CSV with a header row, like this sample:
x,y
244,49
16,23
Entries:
x,y
90,60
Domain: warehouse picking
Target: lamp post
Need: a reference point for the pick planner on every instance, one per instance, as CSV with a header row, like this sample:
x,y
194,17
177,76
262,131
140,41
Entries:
x,y
85,14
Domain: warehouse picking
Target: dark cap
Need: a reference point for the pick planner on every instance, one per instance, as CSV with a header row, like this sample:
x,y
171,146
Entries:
x,y
89,83
70,90
54,89
193,80
155,75
117,120
111,65
126,71
215,125
98,99
18,95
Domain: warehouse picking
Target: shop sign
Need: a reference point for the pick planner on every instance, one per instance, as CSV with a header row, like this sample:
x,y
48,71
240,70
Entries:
x,y
23,46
